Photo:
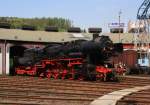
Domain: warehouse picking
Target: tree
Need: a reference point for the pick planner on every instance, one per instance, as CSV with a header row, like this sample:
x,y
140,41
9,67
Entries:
x,y
40,23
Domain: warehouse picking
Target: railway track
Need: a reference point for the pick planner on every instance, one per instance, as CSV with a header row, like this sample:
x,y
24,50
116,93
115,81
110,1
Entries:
x,y
137,98
34,91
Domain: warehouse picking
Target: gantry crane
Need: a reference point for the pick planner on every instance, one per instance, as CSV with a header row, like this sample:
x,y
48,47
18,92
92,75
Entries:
x,y
143,11
142,36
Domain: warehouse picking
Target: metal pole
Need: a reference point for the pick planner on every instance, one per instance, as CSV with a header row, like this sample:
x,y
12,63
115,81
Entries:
x,y
4,58
148,33
119,23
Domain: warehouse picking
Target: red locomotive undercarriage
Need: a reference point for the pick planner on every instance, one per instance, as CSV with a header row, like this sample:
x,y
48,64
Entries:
x,y
65,68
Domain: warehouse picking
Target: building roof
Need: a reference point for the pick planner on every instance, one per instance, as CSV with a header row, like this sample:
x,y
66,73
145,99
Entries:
x,y
40,36
122,37
43,36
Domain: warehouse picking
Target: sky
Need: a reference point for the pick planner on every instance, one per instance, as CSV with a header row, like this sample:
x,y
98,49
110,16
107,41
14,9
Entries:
x,y
83,13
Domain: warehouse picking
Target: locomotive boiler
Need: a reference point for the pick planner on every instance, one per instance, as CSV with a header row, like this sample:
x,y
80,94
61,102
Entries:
x,y
79,59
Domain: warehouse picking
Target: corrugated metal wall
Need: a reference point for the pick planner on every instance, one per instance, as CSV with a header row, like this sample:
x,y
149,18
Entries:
x,y
128,57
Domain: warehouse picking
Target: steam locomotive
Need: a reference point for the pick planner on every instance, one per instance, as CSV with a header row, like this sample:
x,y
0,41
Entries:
x,y
79,59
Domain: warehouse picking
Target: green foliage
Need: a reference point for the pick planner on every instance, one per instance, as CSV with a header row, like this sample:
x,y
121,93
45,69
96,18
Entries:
x,y
39,23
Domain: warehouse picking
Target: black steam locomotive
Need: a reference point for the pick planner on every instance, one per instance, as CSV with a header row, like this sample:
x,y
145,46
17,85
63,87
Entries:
x,y
79,59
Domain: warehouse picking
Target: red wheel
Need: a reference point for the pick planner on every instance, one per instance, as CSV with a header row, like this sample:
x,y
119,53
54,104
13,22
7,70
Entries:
x,y
48,75
64,74
55,74
72,74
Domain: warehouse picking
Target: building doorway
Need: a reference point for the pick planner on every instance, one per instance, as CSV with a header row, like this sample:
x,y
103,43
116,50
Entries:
x,y
15,51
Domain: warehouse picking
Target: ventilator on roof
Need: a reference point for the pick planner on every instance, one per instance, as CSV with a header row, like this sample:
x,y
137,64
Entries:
x,y
28,27
95,30
51,29
5,25
74,30
116,30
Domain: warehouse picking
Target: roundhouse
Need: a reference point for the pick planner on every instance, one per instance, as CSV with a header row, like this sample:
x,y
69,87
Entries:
x,y
14,41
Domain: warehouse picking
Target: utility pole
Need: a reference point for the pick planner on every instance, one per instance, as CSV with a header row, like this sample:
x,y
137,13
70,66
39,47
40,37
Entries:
x,y
119,14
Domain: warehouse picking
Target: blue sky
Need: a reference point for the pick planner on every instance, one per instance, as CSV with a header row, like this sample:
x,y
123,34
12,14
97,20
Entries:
x,y
83,13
